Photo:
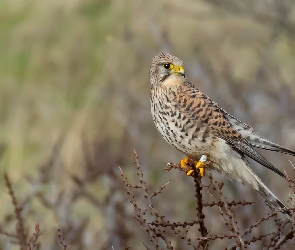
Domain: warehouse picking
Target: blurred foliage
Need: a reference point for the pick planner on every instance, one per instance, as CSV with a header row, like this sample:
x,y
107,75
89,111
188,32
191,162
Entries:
x,y
74,75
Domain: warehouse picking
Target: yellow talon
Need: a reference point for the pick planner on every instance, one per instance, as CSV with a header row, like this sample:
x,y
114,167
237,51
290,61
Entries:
x,y
199,164
184,162
202,172
189,173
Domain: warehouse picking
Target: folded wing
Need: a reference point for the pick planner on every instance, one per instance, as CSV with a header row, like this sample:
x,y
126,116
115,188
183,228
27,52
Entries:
x,y
253,137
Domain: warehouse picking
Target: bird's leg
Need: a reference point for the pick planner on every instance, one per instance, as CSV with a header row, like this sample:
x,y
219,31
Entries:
x,y
184,163
200,165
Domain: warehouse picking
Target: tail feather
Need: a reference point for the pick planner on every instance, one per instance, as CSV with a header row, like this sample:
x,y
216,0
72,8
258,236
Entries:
x,y
235,165
250,178
272,201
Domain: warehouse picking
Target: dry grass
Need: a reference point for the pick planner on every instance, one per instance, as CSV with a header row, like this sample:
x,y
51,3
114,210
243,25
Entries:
x,y
160,230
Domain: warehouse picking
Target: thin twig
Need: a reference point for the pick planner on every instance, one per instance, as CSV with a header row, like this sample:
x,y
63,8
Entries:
x,y
17,211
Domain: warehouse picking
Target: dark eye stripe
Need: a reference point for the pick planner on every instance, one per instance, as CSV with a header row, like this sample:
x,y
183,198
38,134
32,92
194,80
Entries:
x,y
165,77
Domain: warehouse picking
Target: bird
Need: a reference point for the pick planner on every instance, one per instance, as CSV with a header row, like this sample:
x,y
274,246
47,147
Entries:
x,y
200,129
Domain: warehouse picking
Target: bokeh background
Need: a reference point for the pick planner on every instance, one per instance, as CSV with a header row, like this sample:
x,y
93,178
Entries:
x,y
74,103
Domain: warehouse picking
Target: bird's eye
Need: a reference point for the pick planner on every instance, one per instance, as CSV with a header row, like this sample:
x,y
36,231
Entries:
x,y
168,65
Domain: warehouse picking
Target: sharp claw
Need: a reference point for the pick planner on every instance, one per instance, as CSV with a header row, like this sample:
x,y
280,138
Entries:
x,y
201,170
190,172
200,164
184,162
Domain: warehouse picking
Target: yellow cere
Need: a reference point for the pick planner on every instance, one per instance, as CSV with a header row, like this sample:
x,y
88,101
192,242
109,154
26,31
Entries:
x,y
180,69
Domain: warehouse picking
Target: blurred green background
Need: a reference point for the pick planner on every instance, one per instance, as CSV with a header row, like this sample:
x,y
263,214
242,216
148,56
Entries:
x,y
74,75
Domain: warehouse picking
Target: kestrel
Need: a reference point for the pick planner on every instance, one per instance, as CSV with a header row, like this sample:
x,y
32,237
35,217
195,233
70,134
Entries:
x,y
195,125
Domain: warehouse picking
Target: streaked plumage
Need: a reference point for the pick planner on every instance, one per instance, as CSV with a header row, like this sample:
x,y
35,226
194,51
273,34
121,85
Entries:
x,y
194,124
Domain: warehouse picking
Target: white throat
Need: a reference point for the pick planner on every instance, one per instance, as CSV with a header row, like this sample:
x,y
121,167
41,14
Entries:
x,y
173,81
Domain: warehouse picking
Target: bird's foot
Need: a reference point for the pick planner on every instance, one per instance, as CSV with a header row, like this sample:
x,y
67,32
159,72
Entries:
x,y
200,166
185,163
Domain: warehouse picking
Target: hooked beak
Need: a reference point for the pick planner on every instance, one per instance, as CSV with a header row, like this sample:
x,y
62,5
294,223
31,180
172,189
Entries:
x,y
179,71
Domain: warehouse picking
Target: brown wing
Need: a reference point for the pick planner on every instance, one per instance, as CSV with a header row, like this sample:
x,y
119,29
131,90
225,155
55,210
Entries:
x,y
206,113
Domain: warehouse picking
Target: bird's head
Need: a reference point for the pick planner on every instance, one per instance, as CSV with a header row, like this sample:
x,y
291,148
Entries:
x,y
166,70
